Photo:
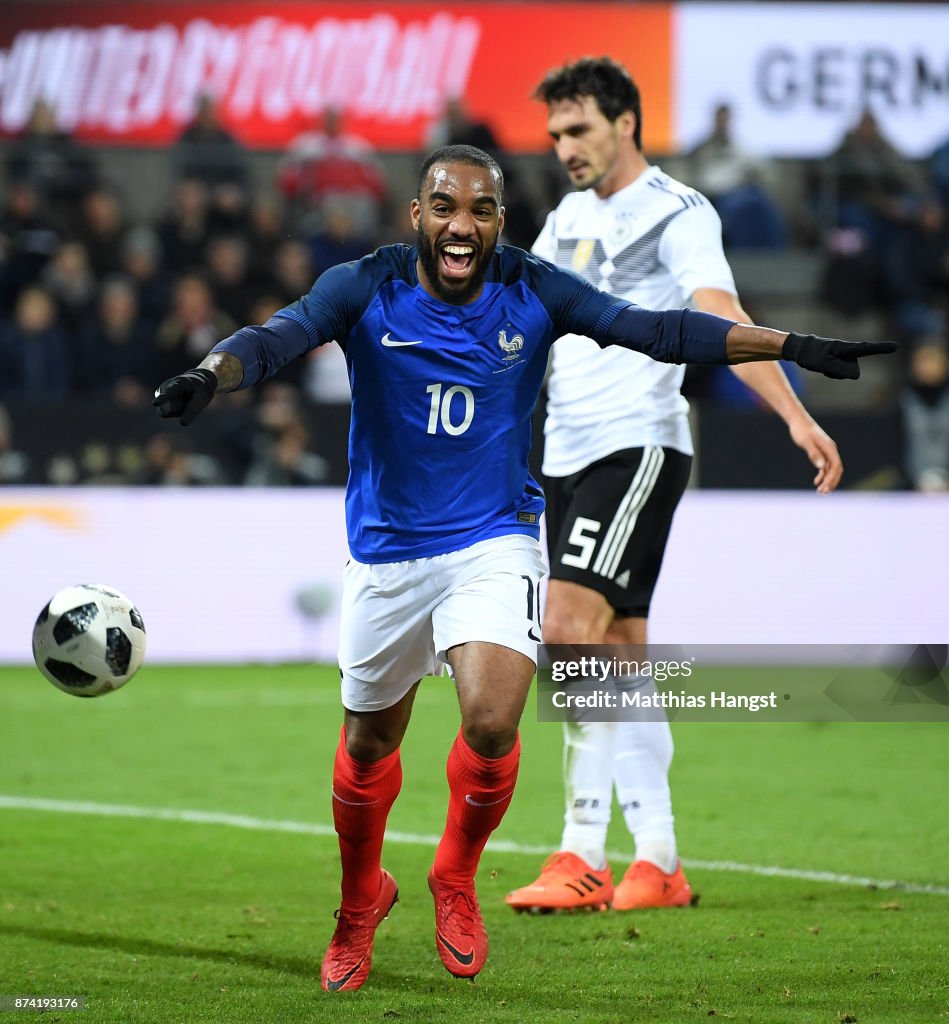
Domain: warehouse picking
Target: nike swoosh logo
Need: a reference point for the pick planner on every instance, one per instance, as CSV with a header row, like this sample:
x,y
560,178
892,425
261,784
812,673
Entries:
x,y
491,803
462,958
354,803
530,635
389,343
335,985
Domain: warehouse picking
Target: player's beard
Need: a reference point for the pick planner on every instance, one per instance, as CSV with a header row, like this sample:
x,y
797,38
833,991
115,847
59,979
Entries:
x,y
592,182
461,294
607,160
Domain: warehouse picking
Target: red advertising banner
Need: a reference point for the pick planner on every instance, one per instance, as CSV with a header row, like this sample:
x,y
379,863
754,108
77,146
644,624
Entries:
x,y
130,73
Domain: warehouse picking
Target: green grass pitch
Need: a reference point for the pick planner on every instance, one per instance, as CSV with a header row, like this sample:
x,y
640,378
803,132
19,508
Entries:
x,y
167,920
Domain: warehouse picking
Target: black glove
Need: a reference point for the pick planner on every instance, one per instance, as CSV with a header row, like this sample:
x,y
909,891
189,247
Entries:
x,y
832,358
186,395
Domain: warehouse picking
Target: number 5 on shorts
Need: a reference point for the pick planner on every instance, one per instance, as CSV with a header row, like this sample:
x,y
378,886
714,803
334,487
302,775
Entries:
x,y
582,536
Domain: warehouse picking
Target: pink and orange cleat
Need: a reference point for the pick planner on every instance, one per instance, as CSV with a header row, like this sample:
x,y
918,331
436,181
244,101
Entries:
x,y
460,937
566,882
349,955
647,887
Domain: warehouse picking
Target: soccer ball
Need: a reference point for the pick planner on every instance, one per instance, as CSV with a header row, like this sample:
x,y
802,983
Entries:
x,y
89,640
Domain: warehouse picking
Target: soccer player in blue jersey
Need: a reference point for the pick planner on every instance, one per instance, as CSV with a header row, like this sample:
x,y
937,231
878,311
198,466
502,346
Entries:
x,y
446,343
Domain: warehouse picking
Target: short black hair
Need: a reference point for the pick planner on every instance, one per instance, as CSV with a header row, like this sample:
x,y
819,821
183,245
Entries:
x,y
607,81
468,155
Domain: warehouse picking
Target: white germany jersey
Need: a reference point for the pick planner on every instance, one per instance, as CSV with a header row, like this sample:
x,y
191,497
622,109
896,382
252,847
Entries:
x,y
653,243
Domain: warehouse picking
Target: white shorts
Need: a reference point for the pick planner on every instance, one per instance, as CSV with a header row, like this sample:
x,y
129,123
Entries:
x,y
399,619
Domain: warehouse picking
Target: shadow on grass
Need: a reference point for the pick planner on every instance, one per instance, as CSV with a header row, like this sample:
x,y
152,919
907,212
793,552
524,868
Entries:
x,y
308,968
502,995
304,967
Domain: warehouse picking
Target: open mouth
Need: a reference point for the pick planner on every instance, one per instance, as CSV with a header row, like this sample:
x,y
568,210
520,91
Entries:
x,y
457,259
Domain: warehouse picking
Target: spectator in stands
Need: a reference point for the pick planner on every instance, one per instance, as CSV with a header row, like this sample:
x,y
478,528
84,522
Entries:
x,y
69,279
47,157
292,271
101,230
207,152
280,454
456,127
233,432
924,405
853,281
401,230
193,325
61,470
34,354
142,264
292,276
264,235
185,229
917,270
262,309
27,241
14,465
331,163
286,462
98,466
337,239
115,347
733,179
873,185
170,461
227,267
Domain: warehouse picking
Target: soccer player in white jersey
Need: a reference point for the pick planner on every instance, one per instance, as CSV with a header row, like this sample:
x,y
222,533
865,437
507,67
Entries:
x,y
446,345
616,462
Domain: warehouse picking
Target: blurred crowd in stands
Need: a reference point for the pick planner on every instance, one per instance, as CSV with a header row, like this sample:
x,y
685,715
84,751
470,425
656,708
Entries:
x,y
96,305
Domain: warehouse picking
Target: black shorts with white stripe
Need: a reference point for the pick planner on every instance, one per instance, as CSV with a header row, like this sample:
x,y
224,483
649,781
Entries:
x,y
608,524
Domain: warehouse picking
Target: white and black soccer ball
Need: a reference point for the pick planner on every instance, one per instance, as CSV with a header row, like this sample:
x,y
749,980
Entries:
x,y
89,640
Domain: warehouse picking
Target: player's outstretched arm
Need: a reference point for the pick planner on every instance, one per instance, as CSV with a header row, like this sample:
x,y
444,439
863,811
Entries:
x,y
186,395
688,336
829,356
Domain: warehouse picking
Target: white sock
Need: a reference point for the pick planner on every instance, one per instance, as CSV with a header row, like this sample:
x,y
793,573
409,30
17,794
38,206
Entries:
x,y
641,771
588,787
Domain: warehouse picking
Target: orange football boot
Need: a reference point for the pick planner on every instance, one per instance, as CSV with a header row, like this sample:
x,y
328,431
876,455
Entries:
x,y
349,956
566,882
646,886
460,938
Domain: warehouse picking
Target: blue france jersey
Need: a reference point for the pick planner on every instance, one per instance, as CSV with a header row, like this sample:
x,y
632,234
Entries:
x,y
443,395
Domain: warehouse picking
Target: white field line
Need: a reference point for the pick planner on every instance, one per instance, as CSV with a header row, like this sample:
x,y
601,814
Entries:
x,y
192,817
37,699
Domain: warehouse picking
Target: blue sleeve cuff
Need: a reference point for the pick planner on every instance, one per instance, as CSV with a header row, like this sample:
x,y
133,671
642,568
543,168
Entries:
x,y
304,321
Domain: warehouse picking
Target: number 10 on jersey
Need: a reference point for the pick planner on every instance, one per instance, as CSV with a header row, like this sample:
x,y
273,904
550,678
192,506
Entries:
x,y
441,409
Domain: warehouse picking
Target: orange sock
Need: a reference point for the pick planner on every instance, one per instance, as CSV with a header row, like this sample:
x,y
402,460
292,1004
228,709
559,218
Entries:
x,y
363,795
480,791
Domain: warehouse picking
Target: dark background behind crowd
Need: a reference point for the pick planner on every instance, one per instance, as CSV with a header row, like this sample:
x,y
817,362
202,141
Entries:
x,y
104,292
